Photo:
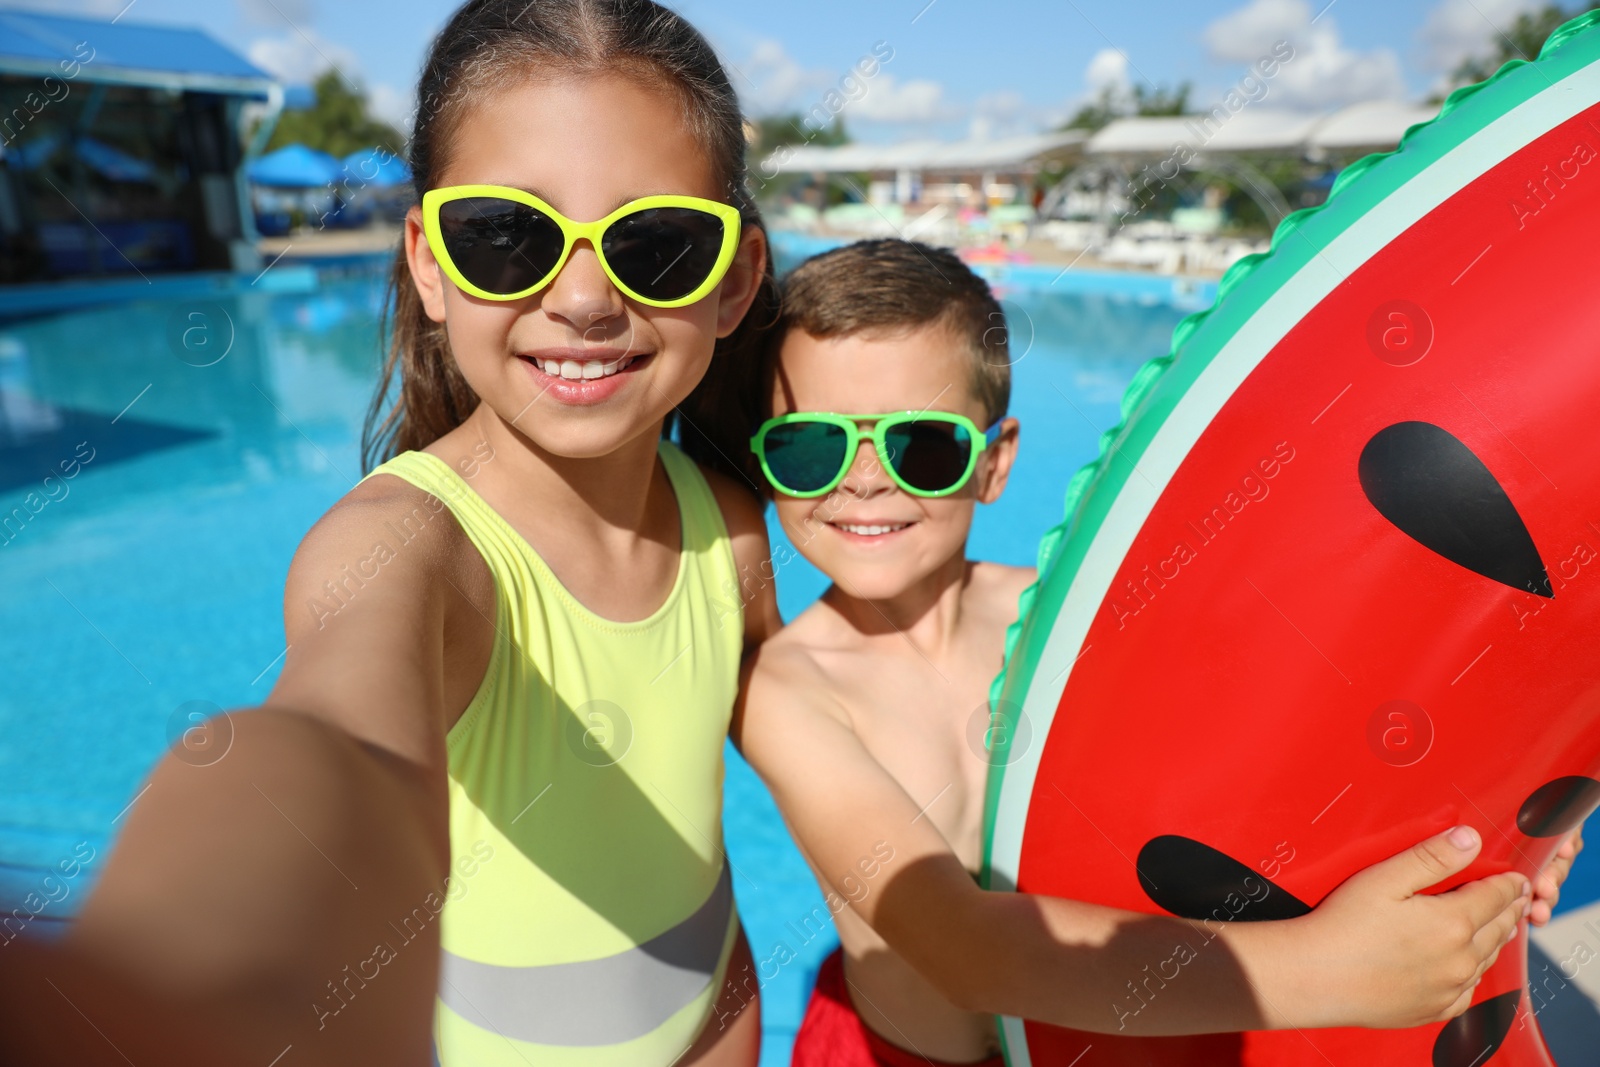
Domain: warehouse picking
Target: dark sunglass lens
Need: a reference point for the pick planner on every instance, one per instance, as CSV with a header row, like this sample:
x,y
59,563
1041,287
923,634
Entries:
x,y
664,253
500,246
929,455
805,456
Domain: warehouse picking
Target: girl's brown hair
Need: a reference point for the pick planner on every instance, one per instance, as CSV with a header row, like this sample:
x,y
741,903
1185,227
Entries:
x,y
889,285
487,45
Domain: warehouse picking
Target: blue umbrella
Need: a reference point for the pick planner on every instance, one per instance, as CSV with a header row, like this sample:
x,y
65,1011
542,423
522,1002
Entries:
x,y
294,166
376,167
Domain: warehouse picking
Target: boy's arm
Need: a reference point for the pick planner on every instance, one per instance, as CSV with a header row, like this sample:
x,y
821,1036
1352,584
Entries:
x,y
1373,954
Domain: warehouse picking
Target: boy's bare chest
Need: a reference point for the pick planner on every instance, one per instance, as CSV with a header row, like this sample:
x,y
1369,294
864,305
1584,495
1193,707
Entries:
x,y
925,724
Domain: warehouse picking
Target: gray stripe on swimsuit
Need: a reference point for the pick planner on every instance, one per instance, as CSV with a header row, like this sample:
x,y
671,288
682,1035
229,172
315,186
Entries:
x,y
595,1002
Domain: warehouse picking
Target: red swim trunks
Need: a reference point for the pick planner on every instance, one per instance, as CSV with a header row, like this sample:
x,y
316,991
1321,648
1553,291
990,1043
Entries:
x,y
833,1035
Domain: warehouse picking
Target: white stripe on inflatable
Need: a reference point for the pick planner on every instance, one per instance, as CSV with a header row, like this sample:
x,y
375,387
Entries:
x,y
1016,1041
1391,217
1566,993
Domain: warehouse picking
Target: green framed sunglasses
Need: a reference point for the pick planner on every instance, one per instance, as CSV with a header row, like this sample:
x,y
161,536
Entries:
x,y
927,453
501,243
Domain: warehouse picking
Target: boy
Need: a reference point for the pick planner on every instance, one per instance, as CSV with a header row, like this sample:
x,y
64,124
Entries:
x,y
858,716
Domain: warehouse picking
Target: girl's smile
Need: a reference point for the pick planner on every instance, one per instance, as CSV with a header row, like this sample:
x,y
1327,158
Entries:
x,y
582,376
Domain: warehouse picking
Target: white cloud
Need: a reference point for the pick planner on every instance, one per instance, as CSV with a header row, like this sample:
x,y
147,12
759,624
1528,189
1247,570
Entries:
x,y
771,80
1245,35
389,104
889,100
1107,70
298,58
1460,29
1001,114
1323,72
274,12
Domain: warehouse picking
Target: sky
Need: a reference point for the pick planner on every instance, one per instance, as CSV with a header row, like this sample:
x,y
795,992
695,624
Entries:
x,y
956,68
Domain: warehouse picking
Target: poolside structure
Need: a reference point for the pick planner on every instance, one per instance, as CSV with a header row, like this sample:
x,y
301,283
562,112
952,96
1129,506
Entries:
x,y
985,173
1371,126
1085,192
975,172
121,157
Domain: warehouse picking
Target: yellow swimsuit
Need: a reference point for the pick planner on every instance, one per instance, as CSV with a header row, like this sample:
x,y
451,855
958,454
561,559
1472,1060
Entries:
x,y
589,915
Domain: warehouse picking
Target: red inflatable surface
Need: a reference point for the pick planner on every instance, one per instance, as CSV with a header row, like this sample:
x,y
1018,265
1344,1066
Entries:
x,y
1364,607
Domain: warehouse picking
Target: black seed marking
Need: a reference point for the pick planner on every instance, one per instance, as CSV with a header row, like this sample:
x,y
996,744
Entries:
x,y
1430,485
1558,806
1472,1038
1196,881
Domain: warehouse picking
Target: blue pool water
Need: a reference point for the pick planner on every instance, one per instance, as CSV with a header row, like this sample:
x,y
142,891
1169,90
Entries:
x,y
149,583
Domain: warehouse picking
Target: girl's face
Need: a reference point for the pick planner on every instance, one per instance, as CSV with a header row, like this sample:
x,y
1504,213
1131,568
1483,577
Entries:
x,y
586,146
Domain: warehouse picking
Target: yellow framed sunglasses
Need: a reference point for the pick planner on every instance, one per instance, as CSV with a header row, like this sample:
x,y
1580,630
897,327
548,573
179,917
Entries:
x,y
501,243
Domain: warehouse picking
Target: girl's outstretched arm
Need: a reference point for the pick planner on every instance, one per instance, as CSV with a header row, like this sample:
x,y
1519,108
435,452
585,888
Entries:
x,y
280,900
1375,953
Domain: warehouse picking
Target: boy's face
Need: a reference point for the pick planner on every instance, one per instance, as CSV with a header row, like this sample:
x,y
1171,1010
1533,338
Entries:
x,y
928,368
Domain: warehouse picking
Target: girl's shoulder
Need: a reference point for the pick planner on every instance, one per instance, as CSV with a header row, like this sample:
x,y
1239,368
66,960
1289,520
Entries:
x,y
385,499
742,511
388,619
390,526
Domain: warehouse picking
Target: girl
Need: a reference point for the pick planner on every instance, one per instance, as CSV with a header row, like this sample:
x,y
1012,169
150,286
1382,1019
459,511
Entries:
x,y
563,642
589,651
523,628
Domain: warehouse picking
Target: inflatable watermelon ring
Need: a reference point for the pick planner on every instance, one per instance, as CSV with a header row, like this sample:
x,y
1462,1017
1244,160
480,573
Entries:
x,y
1333,585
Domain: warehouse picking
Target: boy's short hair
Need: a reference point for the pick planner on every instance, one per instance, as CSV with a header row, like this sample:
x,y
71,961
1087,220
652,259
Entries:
x,y
886,285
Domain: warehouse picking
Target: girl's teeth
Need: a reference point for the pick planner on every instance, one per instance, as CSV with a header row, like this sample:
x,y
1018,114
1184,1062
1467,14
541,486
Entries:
x,y
573,370
870,531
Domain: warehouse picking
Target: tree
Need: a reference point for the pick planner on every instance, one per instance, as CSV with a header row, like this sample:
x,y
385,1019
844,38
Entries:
x,y
338,124
1522,40
1160,101
774,131
1097,114
1111,105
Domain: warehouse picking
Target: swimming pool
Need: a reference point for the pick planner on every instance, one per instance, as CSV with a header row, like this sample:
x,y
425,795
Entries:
x,y
204,438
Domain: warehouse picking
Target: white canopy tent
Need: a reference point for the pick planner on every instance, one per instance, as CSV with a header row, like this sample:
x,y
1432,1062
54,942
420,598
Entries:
x,y
1373,125
1377,124
898,170
1005,154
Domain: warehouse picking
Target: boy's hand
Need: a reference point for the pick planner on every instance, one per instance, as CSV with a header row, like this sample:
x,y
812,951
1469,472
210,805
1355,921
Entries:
x,y
1393,956
1547,887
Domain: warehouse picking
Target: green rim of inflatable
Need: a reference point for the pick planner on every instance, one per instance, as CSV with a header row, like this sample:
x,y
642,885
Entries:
x,y
1243,290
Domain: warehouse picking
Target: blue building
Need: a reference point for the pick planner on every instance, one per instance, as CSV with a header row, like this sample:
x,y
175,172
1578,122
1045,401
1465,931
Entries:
x,y
122,150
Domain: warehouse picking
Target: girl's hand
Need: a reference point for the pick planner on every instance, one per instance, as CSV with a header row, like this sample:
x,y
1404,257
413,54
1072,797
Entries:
x,y
1547,887
1384,954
